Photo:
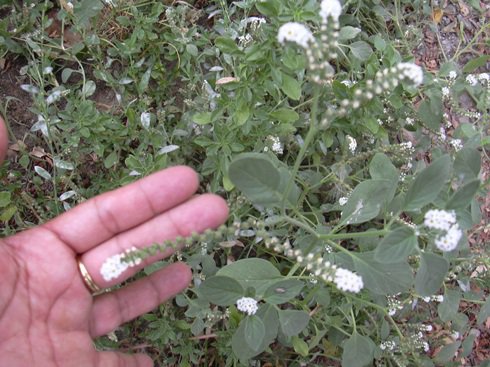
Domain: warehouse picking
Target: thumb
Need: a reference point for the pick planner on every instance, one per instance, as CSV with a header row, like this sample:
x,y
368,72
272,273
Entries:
x,y
3,140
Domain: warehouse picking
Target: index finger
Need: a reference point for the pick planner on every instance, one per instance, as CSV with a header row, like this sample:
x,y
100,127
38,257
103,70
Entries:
x,y
106,215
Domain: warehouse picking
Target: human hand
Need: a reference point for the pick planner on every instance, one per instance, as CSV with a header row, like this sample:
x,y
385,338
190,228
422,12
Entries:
x,y
47,315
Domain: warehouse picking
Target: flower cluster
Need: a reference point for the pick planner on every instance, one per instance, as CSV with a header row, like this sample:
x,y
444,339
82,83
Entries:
x,y
330,9
445,222
348,281
117,264
439,219
247,305
385,80
296,33
275,145
344,279
352,143
317,51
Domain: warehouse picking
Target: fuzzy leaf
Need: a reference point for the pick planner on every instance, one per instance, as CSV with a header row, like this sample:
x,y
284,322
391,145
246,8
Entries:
x,y
431,273
428,184
358,351
396,246
293,321
258,178
221,290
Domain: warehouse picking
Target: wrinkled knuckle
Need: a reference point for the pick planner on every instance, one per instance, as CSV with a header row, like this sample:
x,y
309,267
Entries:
x,y
106,216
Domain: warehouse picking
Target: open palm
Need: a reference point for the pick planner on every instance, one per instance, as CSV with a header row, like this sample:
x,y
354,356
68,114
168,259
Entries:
x,y
47,315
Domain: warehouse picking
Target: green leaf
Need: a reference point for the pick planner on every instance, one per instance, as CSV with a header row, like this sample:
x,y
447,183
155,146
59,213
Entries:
x,y
348,32
8,213
448,308
381,168
300,346
293,321
227,46
257,273
430,118
291,87
446,354
66,73
484,312
379,43
396,246
221,290
111,160
42,172
85,10
361,50
431,273
254,330
475,63
269,8
240,346
145,79
270,318
192,50
467,164
88,88
358,351
428,184
463,196
286,115
4,199
382,278
283,291
366,201
257,177
241,114
202,118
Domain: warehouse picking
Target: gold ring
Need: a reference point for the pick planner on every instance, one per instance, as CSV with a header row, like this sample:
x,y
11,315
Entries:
x,y
87,279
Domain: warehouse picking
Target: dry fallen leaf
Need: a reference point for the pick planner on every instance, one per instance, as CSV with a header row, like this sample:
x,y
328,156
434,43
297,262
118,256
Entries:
x,y
463,8
38,152
437,15
226,80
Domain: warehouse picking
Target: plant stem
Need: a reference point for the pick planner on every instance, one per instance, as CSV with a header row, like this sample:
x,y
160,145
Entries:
x,y
309,137
337,236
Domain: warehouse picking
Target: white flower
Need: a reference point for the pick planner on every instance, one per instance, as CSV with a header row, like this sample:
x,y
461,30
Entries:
x,y
49,69
439,219
115,265
438,298
247,305
471,79
484,77
409,121
457,144
330,8
295,32
452,75
445,91
352,143
343,200
450,240
411,71
389,345
276,144
346,280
